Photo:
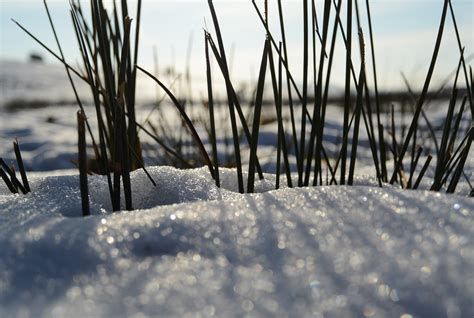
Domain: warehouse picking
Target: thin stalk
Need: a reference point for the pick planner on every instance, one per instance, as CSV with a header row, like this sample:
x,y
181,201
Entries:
x,y
358,111
7,181
121,96
186,119
459,169
103,157
76,95
14,181
50,51
233,120
347,95
302,144
461,51
287,72
167,149
21,166
211,115
83,163
422,172
383,158
413,166
455,129
281,146
317,126
424,92
240,113
256,118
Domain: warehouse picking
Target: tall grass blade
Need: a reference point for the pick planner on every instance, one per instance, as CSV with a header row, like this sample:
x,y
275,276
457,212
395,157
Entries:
x,y
120,122
461,51
317,126
422,172
211,114
93,82
304,101
287,72
68,72
230,98
383,158
358,112
443,153
14,181
422,97
50,51
413,167
460,167
21,166
256,118
7,181
235,100
456,129
345,127
282,143
133,138
187,120
83,163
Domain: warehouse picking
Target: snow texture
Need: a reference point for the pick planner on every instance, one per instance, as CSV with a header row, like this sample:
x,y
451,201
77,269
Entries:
x,y
193,250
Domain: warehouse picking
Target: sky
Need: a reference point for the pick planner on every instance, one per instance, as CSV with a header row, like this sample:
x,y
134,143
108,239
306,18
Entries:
x,y
405,33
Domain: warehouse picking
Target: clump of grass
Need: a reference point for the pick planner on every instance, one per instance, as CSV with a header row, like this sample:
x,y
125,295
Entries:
x,y
310,154
109,69
8,173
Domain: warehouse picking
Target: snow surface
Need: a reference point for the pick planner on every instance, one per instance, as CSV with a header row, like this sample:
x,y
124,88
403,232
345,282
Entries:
x,y
193,250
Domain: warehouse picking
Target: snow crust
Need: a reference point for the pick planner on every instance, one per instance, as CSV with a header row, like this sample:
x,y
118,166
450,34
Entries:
x,y
193,250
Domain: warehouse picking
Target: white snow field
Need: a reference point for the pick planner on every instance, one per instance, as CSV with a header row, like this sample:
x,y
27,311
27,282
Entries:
x,y
193,250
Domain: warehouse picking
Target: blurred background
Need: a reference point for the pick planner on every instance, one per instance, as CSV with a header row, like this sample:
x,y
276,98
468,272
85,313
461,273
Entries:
x,y
172,41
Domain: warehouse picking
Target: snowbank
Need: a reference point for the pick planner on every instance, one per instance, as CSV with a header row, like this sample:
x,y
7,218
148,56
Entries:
x,y
197,251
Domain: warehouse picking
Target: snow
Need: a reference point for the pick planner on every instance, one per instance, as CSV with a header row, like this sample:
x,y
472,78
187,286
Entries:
x,y
193,250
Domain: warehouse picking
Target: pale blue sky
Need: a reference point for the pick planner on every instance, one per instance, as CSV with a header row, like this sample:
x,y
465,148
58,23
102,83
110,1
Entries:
x,y
405,32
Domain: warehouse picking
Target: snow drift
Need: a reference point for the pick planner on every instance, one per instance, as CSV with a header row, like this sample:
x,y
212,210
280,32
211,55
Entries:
x,y
194,250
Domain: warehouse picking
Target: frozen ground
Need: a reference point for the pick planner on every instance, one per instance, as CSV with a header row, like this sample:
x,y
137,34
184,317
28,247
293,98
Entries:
x,y
193,250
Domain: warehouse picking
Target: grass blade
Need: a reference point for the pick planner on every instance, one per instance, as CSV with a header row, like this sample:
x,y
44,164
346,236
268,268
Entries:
x,y
7,181
287,72
230,98
424,92
256,118
345,127
422,172
21,166
358,112
383,158
83,163
14,181
186,119
302,144
211,114
459,169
